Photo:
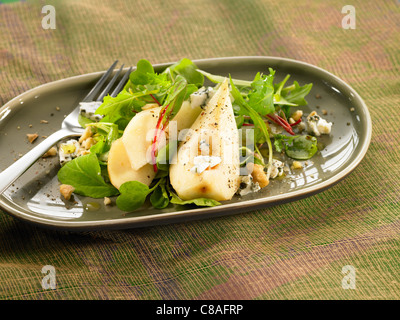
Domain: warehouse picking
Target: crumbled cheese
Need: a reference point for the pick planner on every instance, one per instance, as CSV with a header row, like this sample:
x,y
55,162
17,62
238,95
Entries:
x,y
317,125
201,163
276,169
68,150
88,109
301,126
201,97
247,185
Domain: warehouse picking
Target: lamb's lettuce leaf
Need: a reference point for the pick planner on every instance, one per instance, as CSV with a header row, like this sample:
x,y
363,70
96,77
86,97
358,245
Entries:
x,y
201,202
133,195
84,174
299,147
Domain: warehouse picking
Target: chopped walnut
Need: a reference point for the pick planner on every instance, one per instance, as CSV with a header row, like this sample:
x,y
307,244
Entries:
x,y
107,201
66,191
297,115
86,134
88,143
297,165
259,175
32,137
82,152
50,153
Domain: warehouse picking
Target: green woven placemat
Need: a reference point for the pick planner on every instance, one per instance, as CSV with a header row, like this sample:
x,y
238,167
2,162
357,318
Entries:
x,y
291,251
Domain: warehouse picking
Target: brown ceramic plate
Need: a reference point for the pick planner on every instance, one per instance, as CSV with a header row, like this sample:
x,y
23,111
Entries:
x,y
35,198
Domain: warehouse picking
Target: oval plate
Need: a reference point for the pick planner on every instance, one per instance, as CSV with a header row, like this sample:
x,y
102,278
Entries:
x,y
35,198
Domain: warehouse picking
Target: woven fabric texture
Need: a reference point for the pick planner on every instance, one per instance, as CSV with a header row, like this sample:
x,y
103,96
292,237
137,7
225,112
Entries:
x,y
291,251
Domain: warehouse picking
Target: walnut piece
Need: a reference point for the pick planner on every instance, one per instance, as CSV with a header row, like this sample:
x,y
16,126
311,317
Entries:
x,y
259,175
86,134
50,153
66,191
32,137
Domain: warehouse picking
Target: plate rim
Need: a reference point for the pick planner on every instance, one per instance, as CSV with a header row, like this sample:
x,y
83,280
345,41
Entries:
x,y
189,214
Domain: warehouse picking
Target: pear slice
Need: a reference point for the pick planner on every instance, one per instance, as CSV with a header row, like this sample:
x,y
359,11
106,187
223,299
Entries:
x,y
207,162
186,116
120,169
137,137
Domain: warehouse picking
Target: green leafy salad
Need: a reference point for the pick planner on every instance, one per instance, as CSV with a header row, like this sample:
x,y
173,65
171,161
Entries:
x,y
184,136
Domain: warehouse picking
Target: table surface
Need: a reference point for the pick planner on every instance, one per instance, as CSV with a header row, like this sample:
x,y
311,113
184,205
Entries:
x,y
291,251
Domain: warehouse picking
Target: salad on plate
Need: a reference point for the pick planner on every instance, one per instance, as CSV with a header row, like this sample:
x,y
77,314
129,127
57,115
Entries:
x,y
187,137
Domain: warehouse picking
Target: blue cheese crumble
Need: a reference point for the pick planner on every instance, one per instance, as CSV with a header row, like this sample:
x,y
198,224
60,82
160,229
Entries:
x,y
317,126
88,109
201,97
68,150
247,185
201,163
276,169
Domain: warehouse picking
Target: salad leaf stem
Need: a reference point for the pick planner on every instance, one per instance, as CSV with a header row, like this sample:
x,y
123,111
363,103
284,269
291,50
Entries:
x,y
155,100
282,122
257,120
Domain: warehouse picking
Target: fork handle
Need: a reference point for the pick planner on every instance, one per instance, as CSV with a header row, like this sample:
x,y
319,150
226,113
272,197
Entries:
x,y
9,175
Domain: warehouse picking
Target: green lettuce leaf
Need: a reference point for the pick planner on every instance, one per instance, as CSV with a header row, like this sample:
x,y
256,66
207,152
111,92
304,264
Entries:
x,y
300,147
201,202
84,174
188,70
261,97
295,94
133,195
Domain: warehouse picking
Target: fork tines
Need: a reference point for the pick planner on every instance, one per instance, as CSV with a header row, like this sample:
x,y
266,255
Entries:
x,y
96,89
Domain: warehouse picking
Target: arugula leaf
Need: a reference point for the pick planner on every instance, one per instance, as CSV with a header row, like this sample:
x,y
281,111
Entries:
x,y
261,97
188,70
295,94
145,79
122,108
176,94
255,117
218,79
278,99
84,174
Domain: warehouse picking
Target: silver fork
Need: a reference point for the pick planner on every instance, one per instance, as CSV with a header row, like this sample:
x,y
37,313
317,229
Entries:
x,y
70,127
